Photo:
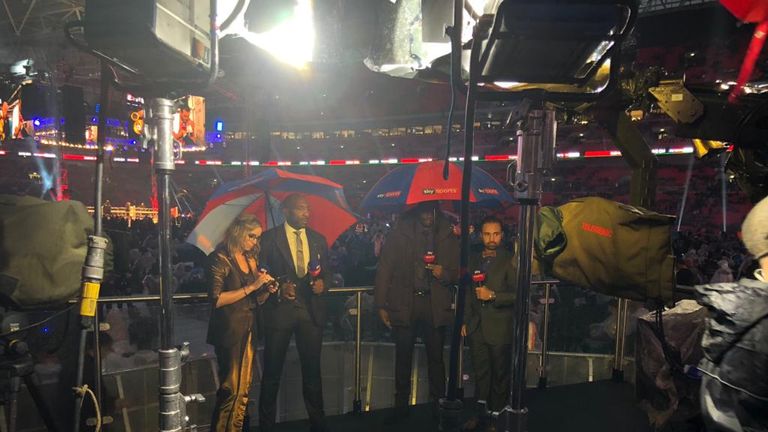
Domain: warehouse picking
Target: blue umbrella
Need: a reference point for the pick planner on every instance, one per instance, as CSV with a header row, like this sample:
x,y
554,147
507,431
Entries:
x,y
412,184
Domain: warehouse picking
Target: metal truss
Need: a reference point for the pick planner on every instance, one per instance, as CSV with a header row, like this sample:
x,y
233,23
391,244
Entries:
x,y
38,17
661,6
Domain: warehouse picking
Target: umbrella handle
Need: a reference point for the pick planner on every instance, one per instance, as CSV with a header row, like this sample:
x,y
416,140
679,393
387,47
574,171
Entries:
x,y
268,207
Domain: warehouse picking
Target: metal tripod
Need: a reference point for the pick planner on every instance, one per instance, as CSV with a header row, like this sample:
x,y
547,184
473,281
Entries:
x,y
535,155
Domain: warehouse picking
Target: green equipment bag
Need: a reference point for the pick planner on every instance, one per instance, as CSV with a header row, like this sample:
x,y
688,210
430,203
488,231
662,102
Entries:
x,y
609,247
42,250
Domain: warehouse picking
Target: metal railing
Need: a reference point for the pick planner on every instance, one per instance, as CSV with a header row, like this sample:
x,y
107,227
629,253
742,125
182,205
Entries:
x,y
357,291
357,402
357,405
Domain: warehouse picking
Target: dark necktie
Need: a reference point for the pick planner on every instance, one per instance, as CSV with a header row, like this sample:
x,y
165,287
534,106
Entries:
x,y
300,268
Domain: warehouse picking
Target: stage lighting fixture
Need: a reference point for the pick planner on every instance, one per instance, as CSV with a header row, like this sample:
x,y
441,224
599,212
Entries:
x,y
559,47
156,38
23,68
283,28
230,16
410,36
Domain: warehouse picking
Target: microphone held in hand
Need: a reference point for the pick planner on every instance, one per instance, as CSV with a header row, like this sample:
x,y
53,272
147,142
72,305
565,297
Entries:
x,y
429,260
478,277
314,269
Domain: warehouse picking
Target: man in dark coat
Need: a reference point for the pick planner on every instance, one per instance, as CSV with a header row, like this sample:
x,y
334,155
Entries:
x,y
489,321
414,296
287,252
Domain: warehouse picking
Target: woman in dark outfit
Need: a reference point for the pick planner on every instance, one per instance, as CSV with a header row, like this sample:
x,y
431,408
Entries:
x,y
234,278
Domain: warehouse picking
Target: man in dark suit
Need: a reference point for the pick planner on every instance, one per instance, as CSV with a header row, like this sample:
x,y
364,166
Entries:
x,y
488,322
412,296
287,251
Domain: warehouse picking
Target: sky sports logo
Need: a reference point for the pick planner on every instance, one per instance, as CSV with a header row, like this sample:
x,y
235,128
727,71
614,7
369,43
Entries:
x,y
439,191
488,191
393,194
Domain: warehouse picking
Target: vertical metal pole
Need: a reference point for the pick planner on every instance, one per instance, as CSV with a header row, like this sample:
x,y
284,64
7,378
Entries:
x,y
622,306
688,176
357,405
480,34
171,401
162,113
460,369
101,139
97,355
460,378
723,189
535,155
516,416
544,339
451,405
93,269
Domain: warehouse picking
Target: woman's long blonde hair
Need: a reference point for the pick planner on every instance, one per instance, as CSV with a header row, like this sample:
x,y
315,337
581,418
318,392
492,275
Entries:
x,y
234,237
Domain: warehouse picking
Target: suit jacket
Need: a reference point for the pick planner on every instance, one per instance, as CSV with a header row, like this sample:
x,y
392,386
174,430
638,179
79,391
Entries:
x,y
228,324
493,320
276,256
395,276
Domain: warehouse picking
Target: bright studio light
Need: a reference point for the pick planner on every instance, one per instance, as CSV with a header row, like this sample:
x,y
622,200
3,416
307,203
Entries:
x,y
291,41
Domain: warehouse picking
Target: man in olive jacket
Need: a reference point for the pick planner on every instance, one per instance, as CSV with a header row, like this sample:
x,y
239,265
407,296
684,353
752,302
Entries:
x,y
413,296
489,320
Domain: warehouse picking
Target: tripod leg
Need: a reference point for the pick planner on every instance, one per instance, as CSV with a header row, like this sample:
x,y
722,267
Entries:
x,y
32,382
3,420
13,403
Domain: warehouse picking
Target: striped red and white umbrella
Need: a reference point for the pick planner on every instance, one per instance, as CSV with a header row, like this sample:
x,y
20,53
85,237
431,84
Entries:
x,y
261,195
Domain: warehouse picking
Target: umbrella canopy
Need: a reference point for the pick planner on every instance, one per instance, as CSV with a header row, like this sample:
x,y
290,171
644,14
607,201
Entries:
x,y
412,184
261,195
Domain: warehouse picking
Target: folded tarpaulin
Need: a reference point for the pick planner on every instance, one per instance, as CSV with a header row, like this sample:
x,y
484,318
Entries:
x,y
666,393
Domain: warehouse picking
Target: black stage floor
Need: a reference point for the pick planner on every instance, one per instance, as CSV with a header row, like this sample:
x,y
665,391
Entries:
x,y
590,407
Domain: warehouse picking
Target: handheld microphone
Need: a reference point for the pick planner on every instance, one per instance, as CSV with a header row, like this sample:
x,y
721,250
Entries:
x,y
429,259
314,269
478,277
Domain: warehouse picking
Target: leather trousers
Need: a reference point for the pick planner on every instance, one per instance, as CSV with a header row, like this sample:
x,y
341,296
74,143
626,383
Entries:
x,y
235,372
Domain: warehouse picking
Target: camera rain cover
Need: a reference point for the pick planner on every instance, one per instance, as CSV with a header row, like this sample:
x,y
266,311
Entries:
x,y
42,250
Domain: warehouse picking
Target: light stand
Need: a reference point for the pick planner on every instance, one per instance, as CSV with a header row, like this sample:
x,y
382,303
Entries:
x,y
535,155
170,62
512,58
173,415
16,366
451,406
93,269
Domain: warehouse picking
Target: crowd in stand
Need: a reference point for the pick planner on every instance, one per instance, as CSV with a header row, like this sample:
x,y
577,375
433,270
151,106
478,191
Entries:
x,y
704,255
